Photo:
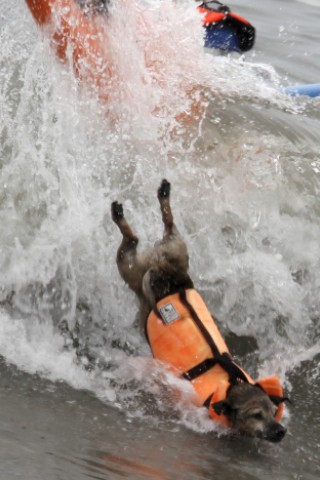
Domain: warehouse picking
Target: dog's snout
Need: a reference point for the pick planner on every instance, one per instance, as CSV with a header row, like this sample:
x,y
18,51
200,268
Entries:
x,y
277,434
281,432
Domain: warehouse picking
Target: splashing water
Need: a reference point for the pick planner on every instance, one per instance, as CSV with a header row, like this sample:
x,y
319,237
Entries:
x,y
245,181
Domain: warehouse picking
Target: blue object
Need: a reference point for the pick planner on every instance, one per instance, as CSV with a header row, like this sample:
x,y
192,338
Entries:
x,y
309,90
222,37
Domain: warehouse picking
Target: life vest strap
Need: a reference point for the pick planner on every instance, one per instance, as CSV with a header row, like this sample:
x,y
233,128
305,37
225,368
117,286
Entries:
x,y
207,402
276,399
215,351
223,359
200,369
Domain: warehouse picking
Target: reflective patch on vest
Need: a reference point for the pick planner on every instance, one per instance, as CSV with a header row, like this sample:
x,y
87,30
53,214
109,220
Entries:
x,y
168,313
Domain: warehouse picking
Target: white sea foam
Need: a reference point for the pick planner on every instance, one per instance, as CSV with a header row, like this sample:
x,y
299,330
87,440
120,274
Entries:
x,y
244,195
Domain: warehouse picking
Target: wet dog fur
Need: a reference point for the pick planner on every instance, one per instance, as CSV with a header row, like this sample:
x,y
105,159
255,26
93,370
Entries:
x,y
162,271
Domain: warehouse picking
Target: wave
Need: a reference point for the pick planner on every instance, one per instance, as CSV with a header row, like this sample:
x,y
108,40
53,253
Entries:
x,y
245,187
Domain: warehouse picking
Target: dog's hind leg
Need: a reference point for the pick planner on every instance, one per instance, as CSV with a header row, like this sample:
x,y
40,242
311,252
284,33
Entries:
x,y
164,200
172,247
129,239
131,266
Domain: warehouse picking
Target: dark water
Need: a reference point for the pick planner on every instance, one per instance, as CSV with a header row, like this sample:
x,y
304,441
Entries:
x,y
49,430
246,198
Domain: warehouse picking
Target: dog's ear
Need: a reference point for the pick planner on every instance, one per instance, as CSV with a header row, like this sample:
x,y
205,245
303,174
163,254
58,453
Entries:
x,y
277,400
222,408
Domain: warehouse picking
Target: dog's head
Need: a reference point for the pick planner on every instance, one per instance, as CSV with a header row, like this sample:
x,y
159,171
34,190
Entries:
x,y
251,412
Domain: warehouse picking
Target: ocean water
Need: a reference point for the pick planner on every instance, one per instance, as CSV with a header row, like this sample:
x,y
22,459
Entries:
x,y
80,395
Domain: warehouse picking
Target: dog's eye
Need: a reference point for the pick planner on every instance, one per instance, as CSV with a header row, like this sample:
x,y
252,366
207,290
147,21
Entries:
x,y
257,416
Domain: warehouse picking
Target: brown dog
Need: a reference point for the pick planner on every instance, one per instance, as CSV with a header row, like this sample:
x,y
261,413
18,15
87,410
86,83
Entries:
x,y
162,273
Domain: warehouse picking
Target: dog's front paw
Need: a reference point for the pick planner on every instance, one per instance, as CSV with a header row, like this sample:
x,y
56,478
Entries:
x,y
164,189
116,211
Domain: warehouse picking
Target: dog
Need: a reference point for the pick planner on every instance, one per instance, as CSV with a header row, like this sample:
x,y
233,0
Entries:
x,y
182,332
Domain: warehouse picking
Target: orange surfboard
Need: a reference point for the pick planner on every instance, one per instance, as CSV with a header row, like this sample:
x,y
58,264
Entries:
x,y
85,42
73,34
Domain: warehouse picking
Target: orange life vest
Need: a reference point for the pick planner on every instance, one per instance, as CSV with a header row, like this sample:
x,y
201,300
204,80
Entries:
x,y
212,16
183,334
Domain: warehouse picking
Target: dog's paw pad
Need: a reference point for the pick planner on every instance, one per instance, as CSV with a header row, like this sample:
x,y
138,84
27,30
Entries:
x,y
117,211
164,189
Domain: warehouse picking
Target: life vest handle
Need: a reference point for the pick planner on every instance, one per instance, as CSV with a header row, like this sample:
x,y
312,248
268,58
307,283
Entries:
x,y
221,6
